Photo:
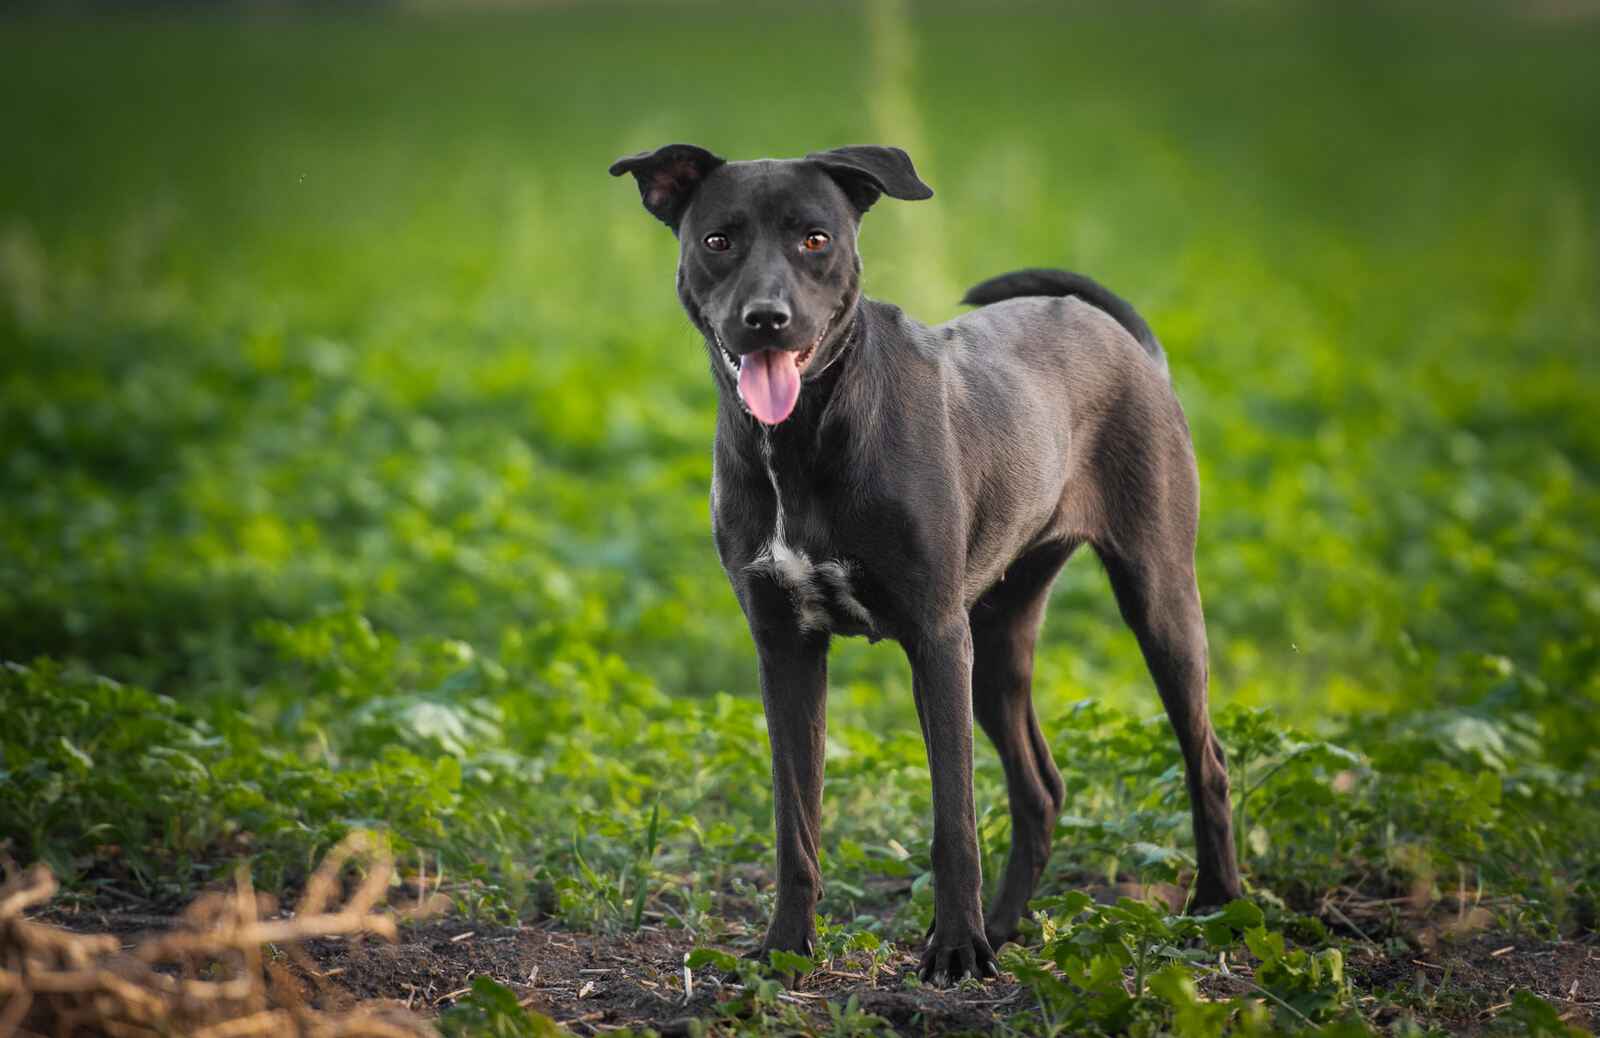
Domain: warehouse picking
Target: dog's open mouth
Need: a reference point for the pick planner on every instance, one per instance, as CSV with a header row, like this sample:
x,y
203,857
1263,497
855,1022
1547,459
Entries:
x,y
769,380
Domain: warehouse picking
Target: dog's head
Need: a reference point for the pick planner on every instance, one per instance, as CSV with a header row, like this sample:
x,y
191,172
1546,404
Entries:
x,y
767,262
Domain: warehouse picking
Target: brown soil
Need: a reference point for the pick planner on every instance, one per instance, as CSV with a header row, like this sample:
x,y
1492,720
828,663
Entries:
x,y
1468,983
592,983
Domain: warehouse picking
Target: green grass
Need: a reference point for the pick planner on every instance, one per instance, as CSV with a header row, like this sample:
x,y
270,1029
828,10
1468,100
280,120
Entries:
x,y
356,453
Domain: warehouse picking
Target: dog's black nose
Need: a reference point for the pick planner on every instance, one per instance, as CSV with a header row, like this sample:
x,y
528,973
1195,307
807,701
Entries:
x,y
767,315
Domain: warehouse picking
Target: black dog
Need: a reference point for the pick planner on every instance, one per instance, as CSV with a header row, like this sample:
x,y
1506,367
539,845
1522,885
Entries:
x,y
874,476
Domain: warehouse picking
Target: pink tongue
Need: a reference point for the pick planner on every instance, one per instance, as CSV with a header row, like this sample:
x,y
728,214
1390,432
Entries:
x,y
769,383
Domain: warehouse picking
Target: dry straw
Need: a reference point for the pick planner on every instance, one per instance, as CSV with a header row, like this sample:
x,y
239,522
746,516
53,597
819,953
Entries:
x,y
221,972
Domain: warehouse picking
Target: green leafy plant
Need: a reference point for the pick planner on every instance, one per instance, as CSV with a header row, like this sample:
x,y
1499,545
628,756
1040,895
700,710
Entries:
x,y
491,1010
1104,968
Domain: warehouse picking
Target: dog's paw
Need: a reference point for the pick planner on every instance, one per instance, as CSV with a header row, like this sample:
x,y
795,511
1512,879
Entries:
x,y
786,966
950,957
797,941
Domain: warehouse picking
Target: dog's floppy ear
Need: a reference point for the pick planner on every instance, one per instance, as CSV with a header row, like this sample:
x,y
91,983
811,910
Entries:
x,y
668,178
866,171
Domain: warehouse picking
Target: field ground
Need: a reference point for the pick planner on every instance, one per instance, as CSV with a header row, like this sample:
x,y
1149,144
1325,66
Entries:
x,y
598,984
355,476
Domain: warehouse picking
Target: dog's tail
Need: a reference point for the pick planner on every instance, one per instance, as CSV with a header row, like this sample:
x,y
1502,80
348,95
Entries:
x,y
1041,282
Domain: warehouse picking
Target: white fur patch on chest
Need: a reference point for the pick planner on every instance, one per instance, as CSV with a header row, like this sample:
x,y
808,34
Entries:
x,y
819,590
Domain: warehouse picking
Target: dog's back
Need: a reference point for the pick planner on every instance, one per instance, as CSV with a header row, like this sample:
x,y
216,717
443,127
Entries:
x,y
1038,281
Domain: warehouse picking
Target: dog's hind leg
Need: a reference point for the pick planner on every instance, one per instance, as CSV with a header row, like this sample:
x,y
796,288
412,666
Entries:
x,y
1005,622
1152,571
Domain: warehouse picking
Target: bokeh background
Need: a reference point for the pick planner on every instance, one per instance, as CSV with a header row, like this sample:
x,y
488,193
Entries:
x,y
351,426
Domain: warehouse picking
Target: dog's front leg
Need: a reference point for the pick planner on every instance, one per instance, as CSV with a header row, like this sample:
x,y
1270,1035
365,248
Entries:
x,y
941,676
794,691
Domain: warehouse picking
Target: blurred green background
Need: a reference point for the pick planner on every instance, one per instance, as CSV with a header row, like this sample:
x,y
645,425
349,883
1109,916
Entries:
x,y
346,400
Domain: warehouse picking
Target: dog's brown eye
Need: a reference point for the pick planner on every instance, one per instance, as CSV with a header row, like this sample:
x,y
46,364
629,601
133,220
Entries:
x,y
718,242
816,241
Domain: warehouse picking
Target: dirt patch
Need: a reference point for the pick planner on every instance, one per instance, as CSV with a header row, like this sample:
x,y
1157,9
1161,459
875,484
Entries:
x,y
593,983
1466,984
568,976
588,982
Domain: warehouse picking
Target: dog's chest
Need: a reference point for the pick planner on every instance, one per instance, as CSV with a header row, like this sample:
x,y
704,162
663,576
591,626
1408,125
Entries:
x,y
823,585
